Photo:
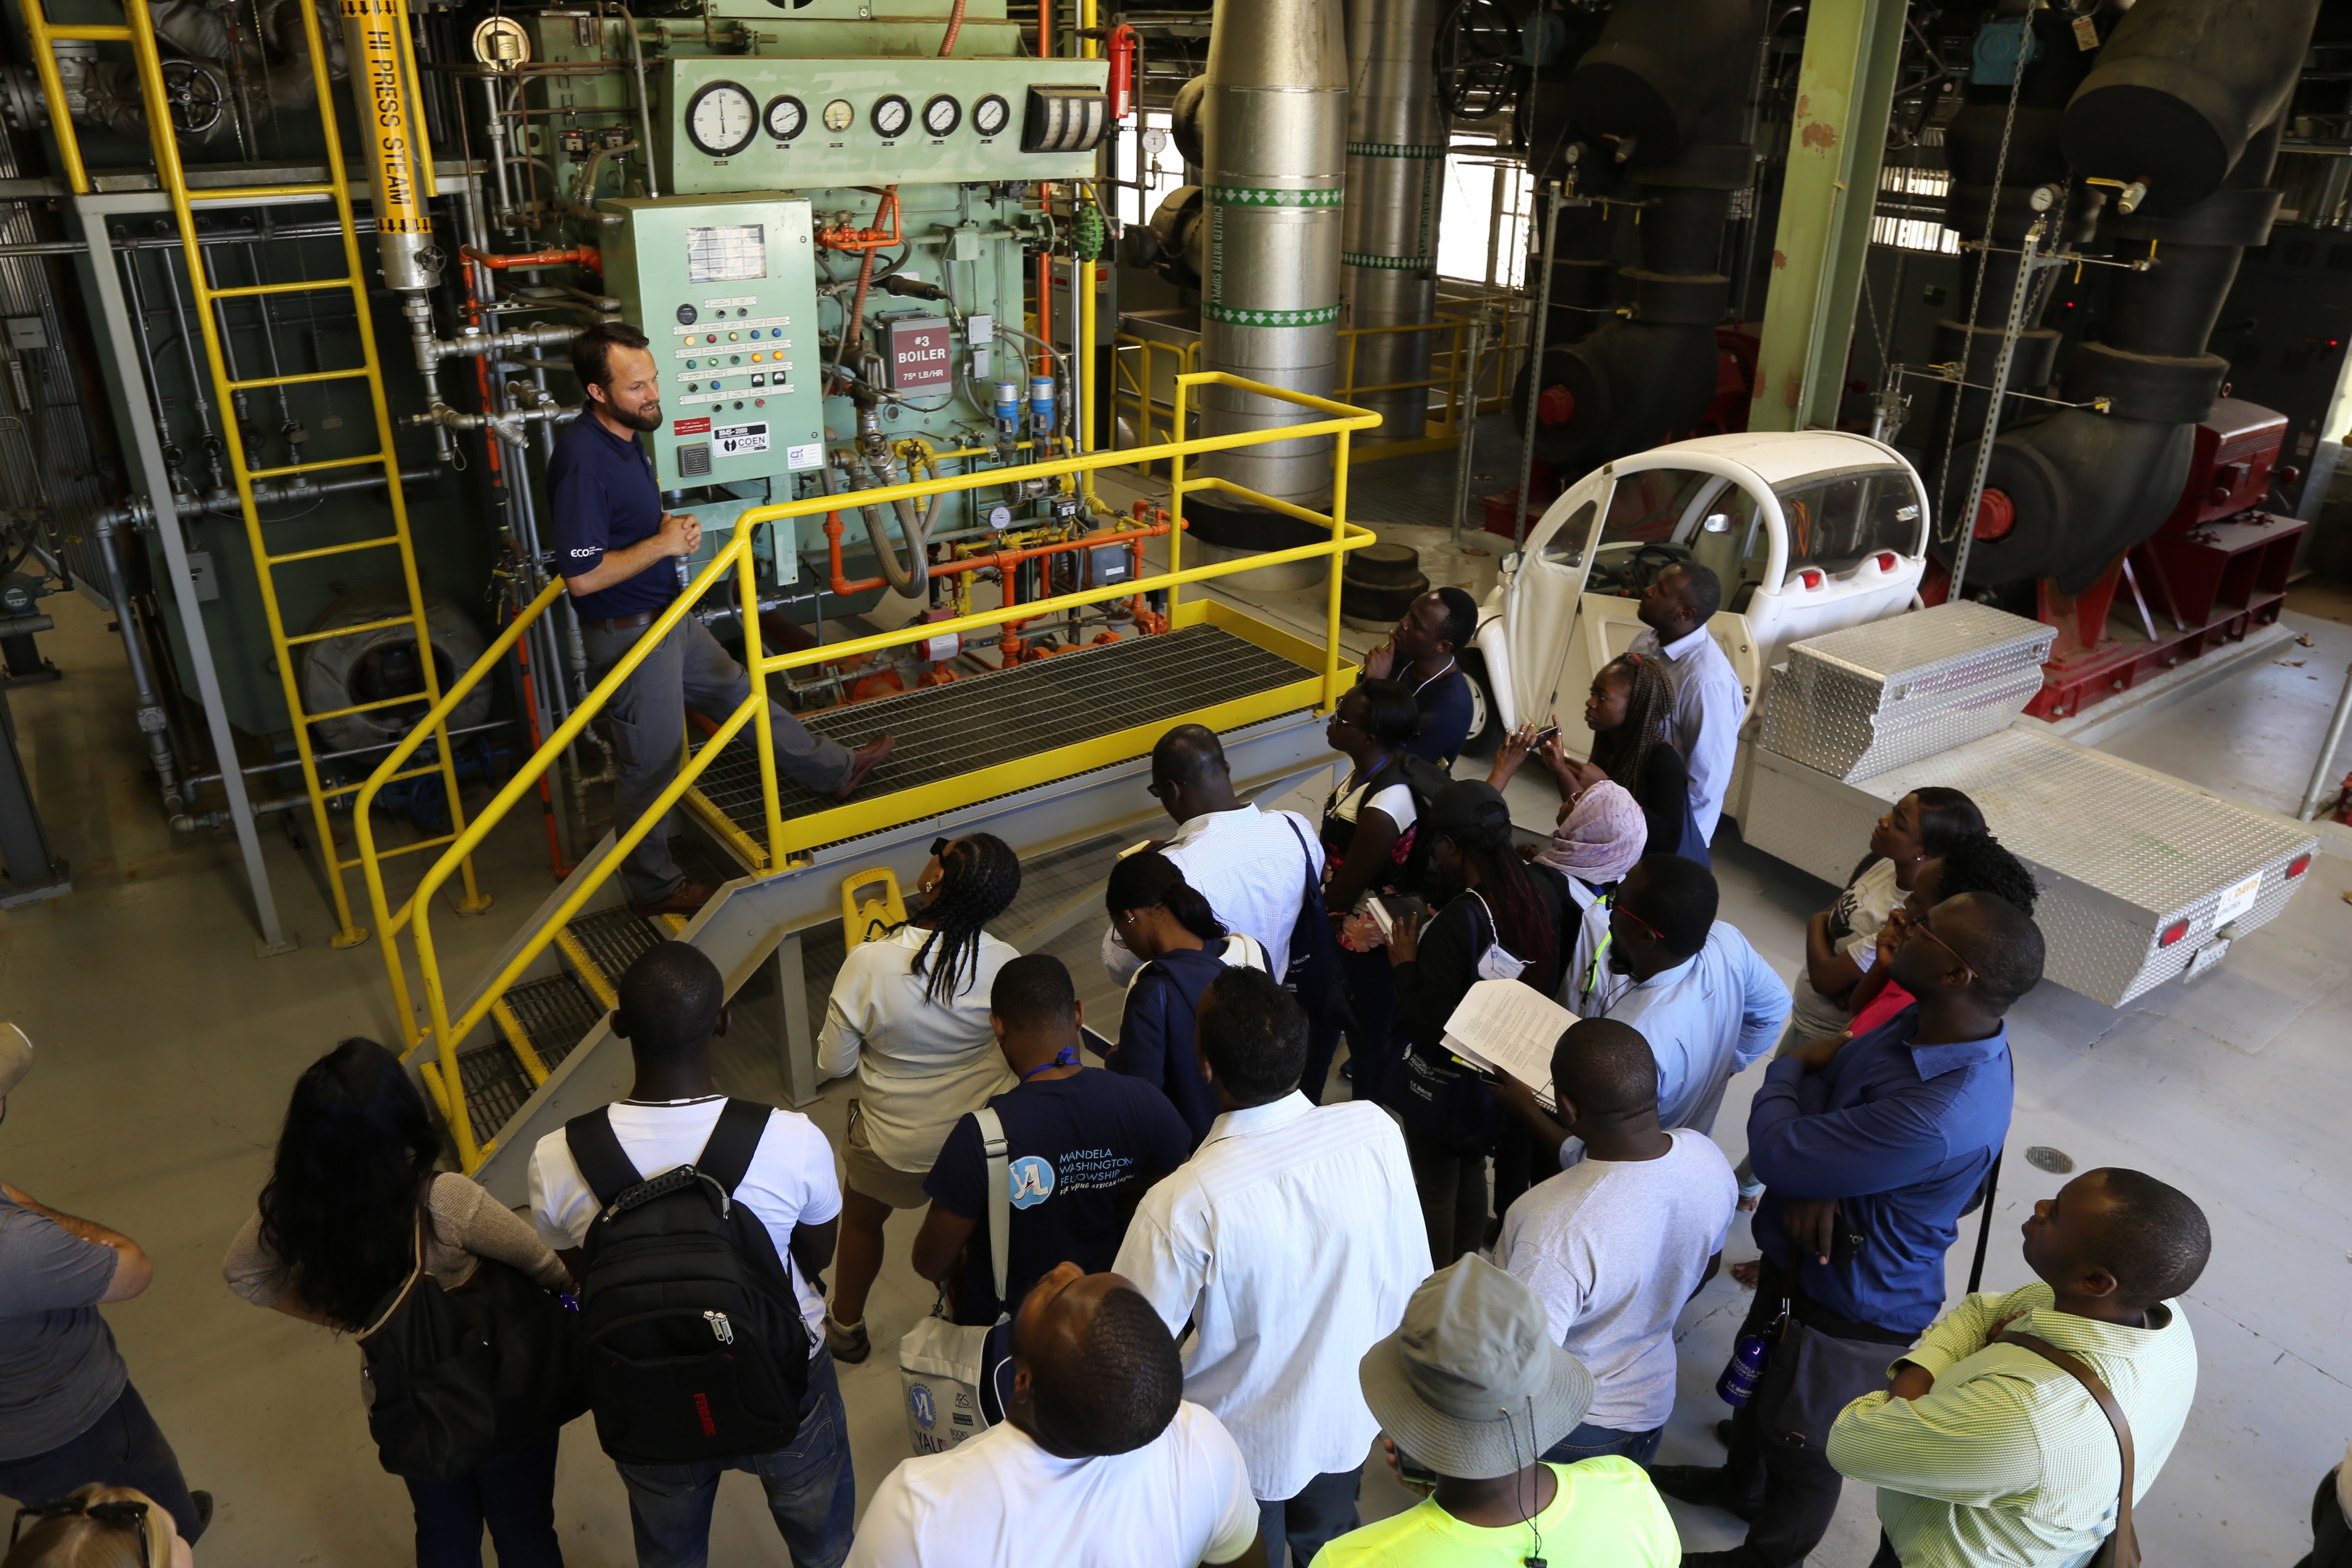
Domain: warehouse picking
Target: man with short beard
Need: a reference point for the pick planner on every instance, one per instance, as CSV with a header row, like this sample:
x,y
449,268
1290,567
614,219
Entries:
x,y
615,546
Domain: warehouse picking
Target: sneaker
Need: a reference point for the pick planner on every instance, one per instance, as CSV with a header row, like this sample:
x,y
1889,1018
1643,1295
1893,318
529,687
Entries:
x,y
1708,1485
848,1341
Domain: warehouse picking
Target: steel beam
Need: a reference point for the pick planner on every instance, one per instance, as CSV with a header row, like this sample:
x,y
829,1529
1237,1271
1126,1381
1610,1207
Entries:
x,y
1837,139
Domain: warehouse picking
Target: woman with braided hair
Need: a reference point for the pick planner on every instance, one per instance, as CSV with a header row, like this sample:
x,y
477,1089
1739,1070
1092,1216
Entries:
x,y
909,1013
1497,918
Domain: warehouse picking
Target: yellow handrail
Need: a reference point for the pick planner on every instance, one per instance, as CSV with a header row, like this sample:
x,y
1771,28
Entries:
x,y
1339,422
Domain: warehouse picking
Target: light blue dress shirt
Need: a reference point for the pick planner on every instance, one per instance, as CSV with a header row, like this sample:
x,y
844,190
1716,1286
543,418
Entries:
x,y
1710,704
1707,1017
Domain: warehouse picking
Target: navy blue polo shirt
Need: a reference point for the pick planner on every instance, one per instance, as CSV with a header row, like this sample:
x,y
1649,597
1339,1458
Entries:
x,y
605,498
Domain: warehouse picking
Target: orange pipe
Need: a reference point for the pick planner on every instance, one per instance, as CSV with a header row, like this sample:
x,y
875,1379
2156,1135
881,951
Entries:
x,y
852,237
1133,538
586,255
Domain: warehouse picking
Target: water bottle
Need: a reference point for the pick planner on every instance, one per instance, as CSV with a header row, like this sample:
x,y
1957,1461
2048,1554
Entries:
x,y
1744,1370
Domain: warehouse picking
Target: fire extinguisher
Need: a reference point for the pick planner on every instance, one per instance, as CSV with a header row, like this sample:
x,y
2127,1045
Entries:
x,y
1124,44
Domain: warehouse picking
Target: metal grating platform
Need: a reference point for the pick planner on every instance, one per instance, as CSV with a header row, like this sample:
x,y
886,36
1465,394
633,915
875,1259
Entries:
x,y
614,939
979,722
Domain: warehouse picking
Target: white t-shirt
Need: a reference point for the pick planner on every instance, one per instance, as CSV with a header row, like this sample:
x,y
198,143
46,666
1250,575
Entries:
x,y
790,1180
1394,801
1248,864
1862,908
999,1501
1613,1249
919,1065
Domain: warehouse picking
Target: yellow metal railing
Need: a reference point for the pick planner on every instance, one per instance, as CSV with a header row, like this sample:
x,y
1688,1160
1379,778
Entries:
x,y
138,30
1142,365
445,1031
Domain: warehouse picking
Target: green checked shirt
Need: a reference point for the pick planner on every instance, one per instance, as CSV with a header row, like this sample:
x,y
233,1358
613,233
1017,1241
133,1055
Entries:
x,y
2009,1462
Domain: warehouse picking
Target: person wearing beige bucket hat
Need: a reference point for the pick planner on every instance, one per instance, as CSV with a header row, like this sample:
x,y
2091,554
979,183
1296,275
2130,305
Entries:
x,y
1472,1388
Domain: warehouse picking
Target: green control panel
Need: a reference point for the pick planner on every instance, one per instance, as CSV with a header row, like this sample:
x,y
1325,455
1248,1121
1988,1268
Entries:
x,y
725,286
811,124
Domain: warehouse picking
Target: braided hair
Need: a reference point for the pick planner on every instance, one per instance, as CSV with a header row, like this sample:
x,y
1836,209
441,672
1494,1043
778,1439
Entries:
x,y
1624,752
979,878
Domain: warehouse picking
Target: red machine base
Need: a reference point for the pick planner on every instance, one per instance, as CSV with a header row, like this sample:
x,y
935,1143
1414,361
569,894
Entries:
x,y
2182,596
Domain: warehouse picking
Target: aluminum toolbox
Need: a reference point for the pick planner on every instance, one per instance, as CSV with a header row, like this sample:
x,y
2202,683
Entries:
x,y
1856,702
2142,877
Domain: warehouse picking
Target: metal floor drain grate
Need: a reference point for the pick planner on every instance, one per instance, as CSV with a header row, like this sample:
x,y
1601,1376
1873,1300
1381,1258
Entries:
x,y
945,731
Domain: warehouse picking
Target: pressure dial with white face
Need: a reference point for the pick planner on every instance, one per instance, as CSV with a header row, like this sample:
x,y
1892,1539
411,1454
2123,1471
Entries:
x,y
721,119
838,115
786,117
891,116
941,114
990,114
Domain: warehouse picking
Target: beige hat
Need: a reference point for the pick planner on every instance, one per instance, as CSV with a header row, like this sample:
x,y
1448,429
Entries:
x,y
15,1057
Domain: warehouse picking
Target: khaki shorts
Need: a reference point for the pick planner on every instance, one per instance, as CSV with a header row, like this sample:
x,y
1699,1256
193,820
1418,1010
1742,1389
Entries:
x,y
868,1173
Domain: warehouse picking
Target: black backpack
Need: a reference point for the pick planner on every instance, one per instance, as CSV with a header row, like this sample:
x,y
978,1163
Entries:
x,y
463,1375
695,1345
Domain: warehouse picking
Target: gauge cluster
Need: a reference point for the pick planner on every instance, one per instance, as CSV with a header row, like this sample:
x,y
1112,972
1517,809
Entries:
x,y
742,124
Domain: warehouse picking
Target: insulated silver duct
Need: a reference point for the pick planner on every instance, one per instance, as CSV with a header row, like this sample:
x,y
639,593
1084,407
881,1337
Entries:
x,y
1396,164
1276,127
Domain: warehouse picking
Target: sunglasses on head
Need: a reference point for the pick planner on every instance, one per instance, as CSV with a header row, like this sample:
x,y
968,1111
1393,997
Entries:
x,y
120,1513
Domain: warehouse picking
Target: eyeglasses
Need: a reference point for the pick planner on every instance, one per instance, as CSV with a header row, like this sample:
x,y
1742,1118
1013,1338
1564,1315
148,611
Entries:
x,y
1921,928
119,1514
1622,909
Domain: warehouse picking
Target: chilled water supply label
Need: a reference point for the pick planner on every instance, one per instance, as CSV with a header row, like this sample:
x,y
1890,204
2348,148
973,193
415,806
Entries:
x,y
736,440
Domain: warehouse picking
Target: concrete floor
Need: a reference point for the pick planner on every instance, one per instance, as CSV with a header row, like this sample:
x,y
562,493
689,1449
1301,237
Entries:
x,y
168,1048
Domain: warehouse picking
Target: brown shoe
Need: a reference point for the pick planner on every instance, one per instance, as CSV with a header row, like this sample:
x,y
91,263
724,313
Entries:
x,y
864,760
683,900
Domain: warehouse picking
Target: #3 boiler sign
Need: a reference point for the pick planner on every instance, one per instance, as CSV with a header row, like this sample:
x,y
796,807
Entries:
x,y
921,357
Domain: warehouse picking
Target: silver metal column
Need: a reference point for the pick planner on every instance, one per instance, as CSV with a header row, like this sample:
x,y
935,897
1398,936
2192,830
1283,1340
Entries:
x,y
104,280
1396,169
1277,121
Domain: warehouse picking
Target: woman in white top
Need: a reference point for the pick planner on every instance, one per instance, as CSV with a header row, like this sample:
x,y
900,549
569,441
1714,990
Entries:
x,y
1368,831
909,1011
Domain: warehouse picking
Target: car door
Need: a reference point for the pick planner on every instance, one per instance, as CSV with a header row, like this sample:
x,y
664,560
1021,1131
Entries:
x,y
1540,607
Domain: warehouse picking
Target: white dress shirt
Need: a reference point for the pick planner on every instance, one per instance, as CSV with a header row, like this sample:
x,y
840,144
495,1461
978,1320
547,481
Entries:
x,y
1291,1240
920,1065
1710,704
1247,863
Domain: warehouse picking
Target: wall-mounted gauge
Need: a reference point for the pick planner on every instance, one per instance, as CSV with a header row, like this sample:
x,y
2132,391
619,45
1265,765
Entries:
x,y
721,119
991,115
941,115
786,117
838,115
890,116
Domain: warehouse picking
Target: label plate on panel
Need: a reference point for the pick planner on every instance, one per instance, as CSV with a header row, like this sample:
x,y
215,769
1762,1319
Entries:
x,y
736,440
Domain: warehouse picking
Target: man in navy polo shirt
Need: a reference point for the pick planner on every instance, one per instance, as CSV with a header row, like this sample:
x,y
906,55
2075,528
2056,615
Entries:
x,y
1870,1149
615,548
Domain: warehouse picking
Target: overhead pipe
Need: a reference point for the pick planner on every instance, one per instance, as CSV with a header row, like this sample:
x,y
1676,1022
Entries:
x,y
2181,116
1396,180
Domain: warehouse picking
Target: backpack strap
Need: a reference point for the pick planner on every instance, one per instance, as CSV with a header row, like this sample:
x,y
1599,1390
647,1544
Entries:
x,y
596,1150
1000,1201
2121,1549
727,1157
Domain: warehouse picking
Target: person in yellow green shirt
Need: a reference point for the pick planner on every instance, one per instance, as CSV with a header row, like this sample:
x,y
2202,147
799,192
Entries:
x,y
1470,1389
1987,1454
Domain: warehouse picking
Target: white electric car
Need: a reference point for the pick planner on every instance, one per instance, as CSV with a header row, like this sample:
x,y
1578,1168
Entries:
x,y
1810,532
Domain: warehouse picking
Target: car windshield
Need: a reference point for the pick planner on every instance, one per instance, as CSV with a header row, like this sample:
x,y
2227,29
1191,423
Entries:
x,y
1837,522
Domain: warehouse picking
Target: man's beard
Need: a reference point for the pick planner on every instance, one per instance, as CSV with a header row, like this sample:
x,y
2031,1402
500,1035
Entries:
x,y
647,416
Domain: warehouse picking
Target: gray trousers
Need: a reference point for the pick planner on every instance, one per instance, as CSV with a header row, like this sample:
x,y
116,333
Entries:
x,y
647,717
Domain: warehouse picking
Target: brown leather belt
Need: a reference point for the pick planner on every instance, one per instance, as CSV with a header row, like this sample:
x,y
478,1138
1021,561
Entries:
x,y
621,623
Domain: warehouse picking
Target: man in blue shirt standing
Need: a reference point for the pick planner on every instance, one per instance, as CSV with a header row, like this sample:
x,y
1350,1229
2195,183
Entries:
x,y
1709,701
615,546
1870,1151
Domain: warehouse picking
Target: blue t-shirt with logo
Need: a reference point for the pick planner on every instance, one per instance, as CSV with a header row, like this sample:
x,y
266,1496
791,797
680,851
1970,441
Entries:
x,y
603,498
1080,1150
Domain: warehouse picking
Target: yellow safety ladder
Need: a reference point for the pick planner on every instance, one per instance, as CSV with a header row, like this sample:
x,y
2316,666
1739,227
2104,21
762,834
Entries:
x,y
141,33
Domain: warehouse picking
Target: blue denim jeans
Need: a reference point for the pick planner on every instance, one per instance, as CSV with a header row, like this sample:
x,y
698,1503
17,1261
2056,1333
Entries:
x,y
809,1487
513,1494
1590,1442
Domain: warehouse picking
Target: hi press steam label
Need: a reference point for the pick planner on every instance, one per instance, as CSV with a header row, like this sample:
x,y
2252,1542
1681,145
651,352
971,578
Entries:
x,y
739,440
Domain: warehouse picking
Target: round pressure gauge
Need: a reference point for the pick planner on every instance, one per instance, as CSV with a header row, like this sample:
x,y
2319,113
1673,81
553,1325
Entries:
x,y
721,119
990,114
941,114
786,117
838,115
890,116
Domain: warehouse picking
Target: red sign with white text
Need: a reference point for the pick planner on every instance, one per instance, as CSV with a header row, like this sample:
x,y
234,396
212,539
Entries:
x,y
690,427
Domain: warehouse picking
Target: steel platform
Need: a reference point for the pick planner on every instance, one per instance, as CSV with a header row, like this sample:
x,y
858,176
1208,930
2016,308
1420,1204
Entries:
x,y
2123,854
1078,705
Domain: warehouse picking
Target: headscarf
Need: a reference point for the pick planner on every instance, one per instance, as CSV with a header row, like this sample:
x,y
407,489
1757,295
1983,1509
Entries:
x,y
1601,839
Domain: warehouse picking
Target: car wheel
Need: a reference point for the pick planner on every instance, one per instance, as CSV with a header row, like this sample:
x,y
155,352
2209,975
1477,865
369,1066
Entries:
x,y
1486,715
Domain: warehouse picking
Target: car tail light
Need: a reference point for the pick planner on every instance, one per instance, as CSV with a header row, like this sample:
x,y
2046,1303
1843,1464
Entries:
x,y
2298,866
2172,934
1886,561
1811,578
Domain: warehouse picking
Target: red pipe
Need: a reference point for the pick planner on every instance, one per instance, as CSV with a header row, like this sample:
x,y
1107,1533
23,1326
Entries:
x,y
586,255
